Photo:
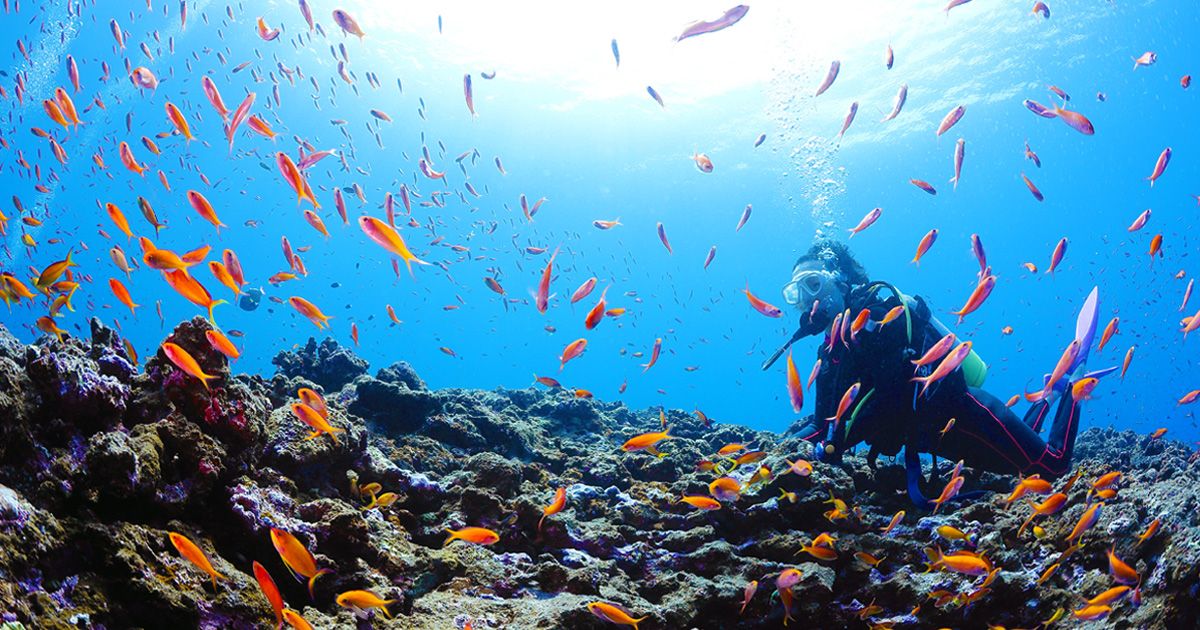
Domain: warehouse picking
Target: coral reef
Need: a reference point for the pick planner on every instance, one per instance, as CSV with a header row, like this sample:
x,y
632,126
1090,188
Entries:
x,y
99,461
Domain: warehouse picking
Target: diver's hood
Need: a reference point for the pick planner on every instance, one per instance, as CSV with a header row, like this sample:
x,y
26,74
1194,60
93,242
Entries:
x,y
250,299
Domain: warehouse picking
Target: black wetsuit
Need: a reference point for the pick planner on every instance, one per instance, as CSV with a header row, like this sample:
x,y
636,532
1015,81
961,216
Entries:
x,y
889,413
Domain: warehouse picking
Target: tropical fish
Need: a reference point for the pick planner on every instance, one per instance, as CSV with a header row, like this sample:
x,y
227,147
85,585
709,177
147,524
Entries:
x,y
297,558
195,555
830,77
701,27
476,535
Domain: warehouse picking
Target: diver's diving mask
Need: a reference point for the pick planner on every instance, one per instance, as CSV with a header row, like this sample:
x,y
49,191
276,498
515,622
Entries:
x,y
809,285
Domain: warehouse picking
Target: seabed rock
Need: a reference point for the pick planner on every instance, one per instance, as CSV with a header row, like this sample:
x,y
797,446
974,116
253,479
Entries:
x,y
99,461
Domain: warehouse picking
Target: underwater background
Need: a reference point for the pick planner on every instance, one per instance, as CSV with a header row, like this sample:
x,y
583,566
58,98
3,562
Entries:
x,y
572,126
520,150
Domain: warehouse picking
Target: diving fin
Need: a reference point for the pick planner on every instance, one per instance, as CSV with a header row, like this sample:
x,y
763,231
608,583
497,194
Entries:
x,y
1085,328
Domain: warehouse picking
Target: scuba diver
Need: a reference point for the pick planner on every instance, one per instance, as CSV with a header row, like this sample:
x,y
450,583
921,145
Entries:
x,y
890,411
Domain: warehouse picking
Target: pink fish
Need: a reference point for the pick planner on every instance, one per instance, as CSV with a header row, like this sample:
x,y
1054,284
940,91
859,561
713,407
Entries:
x,y
701,27
927,241
980,255
1037,194
654,352
116,31
955,3
936,351
1030,155
1039,109
542,300
1060,369
1140,221
951,118
898,103
584,290
978,296
794,389
960,150
759,305
849,119
214,96
239,116
952,361
468,94
923,185
573,350
143,78
1040,8
712,253
1187,294
1160,165
1076,121
866,222
305,11
1060,250
812,376
845,402
1148,58
428,171
73,72
347,23
662,236
745,217
888,57
829,77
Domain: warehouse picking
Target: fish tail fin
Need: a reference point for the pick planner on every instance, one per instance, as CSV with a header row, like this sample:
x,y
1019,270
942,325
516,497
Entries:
x,y
313,580
449,539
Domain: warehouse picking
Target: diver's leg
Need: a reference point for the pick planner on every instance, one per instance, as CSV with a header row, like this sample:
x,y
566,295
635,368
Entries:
x,y
1060,444
1036,415
989,435
810,430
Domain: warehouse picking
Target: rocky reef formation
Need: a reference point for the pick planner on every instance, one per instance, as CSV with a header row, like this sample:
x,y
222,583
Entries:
x,y
100,460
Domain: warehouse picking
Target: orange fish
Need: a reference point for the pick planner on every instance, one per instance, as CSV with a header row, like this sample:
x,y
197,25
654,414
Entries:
x,y
646,442
761,306
221,343
794,389
269,590
294,620
191,289
701,502
292,175
178,121
185,362
556,506
388,238
298,559
362,600
615,614
193,554
573,350
118,218
725,489
313,419
202,207
597,313
310,310
222,274
1122,573
122,294
477,535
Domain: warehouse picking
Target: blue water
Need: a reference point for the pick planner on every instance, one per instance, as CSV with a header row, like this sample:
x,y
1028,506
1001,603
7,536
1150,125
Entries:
x,y
572,127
